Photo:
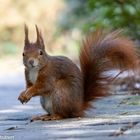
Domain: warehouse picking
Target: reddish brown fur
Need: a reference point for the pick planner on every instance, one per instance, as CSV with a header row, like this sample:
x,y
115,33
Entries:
x,y
65,90
102,52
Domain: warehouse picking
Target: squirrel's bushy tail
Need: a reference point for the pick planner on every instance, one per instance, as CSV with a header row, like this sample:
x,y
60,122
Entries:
x,y
101,52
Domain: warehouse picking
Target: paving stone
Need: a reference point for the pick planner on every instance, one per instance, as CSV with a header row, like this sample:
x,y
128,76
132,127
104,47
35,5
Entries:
x,y
113,117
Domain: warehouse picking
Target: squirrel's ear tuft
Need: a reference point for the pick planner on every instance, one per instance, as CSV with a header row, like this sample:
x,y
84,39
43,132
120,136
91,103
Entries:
x,y
26,35
39,39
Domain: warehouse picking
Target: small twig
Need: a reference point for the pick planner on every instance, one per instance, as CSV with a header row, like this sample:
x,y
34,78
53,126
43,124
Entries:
x,y
122,130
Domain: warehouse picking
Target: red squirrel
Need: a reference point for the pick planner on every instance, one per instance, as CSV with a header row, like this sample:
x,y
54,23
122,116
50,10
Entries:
x,y
65,90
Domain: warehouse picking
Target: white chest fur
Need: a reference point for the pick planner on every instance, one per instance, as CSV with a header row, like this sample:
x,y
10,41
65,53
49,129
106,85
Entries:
x,y
46,103
33,75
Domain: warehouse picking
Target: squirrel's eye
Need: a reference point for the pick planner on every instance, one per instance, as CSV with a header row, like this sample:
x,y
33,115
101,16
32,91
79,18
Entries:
x,y
23,54
41,53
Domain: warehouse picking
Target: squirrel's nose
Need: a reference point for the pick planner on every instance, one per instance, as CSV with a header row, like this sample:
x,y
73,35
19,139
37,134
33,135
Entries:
x,y
31,62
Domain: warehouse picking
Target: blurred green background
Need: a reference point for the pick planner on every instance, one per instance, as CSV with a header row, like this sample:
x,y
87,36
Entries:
x,y
63,22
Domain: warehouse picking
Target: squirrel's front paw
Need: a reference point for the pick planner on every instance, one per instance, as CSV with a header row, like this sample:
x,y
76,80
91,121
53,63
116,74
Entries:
x,y
24,98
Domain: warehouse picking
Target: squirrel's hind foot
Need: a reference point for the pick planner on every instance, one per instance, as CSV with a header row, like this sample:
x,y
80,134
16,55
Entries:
x,y
46,117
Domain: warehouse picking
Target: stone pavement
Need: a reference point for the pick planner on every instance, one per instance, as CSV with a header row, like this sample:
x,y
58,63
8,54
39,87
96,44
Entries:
x,y
113,117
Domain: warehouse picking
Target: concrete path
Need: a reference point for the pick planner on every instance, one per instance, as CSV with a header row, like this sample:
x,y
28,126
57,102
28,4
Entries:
x,y
114,117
